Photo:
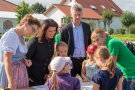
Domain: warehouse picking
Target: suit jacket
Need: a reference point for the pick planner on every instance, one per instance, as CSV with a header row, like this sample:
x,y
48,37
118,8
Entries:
x,y
67,36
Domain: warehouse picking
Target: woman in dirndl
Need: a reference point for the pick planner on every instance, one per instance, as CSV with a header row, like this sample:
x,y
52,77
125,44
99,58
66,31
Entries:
x,y
13,72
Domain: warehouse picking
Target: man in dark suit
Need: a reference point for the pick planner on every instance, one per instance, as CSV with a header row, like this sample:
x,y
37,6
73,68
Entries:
x,y
77,36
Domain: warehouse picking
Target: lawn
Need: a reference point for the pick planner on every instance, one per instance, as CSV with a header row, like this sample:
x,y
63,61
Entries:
x,y
124,36
118,36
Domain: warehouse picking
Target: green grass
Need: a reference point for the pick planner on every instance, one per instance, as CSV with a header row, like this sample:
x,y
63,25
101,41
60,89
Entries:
x,y
124,36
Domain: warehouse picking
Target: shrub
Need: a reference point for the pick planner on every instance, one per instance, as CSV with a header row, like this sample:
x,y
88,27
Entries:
x,y
121,30
111,31
117,31
132,29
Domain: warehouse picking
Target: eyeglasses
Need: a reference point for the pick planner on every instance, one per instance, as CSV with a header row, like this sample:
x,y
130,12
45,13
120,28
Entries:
x,y
33,29
69,64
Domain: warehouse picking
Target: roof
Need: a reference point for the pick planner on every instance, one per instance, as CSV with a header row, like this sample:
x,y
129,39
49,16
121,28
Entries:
x,y
39,16
7,6
6,14
108,4
88,12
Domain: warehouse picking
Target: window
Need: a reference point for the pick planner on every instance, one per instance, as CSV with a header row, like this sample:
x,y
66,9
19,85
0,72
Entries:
x,y
7,25
93,7
113,10
103,6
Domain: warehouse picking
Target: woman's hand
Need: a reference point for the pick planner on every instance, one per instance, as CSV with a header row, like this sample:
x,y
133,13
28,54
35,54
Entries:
x,y
8,70
27,62
12,85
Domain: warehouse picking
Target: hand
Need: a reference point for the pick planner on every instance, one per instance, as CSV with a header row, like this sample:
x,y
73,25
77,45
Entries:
x,y
85,89
12,85
45,77
86,79
31,80
27,62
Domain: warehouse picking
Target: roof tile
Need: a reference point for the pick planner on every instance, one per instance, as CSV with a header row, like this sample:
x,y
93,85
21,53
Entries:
x,y
7,6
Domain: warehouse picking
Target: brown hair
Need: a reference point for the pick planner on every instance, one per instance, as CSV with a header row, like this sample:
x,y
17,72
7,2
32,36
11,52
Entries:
x,y
100,32
31,20
61,44
109,63
44,27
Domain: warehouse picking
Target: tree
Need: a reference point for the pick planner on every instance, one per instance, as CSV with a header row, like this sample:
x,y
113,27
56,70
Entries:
x,y
107,17
92,24
127,19
21,10
66,19
38,8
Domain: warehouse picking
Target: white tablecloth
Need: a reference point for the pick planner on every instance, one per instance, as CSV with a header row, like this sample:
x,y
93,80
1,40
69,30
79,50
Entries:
x,y
87,85
84,85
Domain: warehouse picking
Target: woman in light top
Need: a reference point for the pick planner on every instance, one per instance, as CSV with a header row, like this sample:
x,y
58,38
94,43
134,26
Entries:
x,y
13,72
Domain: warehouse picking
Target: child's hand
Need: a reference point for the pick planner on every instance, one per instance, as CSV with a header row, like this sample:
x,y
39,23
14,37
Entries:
x,y
31,80
45,77
27,62
86,79
85,89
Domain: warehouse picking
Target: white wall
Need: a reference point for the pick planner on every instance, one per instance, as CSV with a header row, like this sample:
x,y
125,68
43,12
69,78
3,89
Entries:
x,y
116,23
56,15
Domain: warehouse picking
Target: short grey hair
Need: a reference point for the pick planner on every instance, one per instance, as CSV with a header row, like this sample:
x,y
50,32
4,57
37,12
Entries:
x,y
76,7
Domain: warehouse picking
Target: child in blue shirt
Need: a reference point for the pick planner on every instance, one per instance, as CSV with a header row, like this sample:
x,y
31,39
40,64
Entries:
x,y
108,77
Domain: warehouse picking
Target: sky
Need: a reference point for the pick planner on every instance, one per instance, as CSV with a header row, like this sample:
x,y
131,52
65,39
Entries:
x,y
123,4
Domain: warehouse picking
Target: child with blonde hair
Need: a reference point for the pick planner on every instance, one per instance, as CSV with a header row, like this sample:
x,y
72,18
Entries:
x,y
89,66
62,50
61,79
108,77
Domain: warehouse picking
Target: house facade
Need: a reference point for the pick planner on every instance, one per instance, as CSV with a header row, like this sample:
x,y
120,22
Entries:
x,y
92,11
7,16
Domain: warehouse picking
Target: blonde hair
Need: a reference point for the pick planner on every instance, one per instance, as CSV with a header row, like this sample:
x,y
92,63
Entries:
x,y
60,44
100,32
54,81
109,63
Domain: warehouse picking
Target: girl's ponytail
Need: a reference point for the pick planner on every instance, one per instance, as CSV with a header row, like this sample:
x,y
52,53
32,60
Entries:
x,y
110,65
54,82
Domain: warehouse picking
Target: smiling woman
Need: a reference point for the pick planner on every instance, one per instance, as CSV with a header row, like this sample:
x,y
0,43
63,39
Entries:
x,y
40,52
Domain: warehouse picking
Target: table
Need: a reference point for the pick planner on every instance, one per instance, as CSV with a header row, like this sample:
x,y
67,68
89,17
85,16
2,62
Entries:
x,y
87,85
84,85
